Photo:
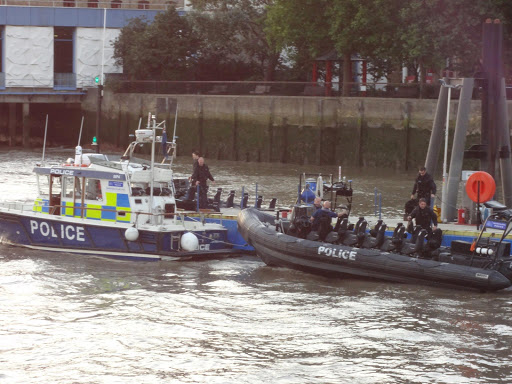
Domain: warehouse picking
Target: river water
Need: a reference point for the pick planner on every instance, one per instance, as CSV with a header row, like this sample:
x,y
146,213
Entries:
x,y
73,319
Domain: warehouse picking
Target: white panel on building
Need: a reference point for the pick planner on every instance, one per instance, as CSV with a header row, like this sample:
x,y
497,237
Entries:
x,y
89,43
28,56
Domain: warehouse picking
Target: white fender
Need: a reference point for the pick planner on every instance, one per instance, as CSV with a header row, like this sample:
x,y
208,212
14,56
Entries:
x,y
131,234
320,187
189,242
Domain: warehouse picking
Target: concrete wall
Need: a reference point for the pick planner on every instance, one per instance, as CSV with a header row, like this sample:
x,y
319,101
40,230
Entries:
x,y
343,131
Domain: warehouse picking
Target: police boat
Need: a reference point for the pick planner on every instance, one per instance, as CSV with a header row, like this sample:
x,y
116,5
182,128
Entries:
x,y
356,251
119,209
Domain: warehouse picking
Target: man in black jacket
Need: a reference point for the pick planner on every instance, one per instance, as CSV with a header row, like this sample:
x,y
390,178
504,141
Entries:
x,y
424,185
425,216
200,177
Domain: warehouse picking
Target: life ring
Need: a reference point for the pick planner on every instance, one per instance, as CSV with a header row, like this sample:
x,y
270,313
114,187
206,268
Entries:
x,y
487,187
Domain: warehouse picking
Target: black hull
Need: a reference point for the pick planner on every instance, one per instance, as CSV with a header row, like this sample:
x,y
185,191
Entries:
x,y
278,249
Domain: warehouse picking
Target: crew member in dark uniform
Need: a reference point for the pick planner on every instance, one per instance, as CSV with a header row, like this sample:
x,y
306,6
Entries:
x,y
192,184
322,218
425,217
200,177
424,185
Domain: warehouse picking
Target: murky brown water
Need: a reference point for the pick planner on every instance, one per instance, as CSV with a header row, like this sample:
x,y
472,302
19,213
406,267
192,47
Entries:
x,y
71,319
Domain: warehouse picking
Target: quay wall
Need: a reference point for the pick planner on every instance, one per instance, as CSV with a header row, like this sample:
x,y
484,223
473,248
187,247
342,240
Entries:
x,y
373,132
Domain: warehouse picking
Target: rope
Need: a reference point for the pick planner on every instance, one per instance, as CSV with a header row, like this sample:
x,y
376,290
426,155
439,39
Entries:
x,y
220,241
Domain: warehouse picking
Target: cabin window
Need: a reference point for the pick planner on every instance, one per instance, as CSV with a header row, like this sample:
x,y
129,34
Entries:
x,y
71,183
138,189
43,184
93,189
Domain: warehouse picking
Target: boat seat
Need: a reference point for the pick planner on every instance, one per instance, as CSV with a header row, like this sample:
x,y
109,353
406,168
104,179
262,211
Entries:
x,y
435,240
313,236
343,229
356,237
259,201
410,248
495,205
375,230
332,237
378,240
414,234
216,198
272,204
245,200
230,201
390,244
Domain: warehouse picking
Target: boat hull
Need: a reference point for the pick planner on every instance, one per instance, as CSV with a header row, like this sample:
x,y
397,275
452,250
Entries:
x,y
57,233
279,249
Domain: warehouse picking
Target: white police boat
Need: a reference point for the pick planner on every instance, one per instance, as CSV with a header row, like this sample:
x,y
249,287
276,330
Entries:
x,y
118,209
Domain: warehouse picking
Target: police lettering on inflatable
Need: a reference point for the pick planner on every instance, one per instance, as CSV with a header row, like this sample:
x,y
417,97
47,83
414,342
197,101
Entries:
x,y
338,253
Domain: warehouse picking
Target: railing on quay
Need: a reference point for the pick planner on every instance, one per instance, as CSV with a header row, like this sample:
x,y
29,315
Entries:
x,y
109,4
275,88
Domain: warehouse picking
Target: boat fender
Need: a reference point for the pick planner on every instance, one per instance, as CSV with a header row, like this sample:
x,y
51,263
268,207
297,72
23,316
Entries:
x,y
131,234
189,242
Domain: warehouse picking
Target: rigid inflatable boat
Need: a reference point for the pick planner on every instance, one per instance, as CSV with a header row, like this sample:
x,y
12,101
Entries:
x,y
352,251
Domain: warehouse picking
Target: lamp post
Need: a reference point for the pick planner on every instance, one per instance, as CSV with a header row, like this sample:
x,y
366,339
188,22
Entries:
x,y
445,160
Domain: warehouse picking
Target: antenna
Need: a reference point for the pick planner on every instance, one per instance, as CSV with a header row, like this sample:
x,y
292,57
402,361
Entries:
x,y
80,135
175,122
44,142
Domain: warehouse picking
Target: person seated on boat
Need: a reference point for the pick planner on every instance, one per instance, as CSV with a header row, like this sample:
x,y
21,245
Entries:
x,y
425,217
323,215
317,203
424,186
201,176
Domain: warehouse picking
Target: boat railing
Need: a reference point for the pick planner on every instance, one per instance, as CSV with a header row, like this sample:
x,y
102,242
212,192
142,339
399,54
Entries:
x,y
199,217
17,206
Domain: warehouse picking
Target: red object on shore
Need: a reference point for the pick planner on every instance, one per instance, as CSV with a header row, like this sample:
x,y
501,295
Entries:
x,y
462,216
487,187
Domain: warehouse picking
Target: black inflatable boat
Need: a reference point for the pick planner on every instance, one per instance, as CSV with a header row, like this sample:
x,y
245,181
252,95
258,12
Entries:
x,y
353,251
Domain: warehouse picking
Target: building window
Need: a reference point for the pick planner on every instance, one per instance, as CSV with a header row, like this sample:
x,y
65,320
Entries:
x,y
92,3
69,3
63,49
143,4
116,4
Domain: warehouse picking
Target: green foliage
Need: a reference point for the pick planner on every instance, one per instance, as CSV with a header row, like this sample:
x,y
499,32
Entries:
x,y
233,37
165,49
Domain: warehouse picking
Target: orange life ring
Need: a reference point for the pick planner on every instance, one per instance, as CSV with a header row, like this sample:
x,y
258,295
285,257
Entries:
x,y
487,186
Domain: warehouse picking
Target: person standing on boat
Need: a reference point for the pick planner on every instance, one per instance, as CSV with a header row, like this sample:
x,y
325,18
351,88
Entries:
x,y
192,185
424,186
317,203
425,216
200,177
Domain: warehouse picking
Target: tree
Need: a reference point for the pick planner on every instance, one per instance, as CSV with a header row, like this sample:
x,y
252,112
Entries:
x,y
233,37
165,49
349,26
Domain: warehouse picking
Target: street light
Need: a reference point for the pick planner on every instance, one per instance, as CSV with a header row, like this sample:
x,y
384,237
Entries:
x,y
445,171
